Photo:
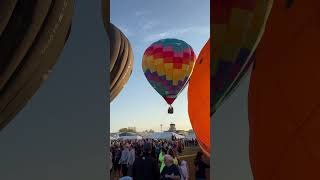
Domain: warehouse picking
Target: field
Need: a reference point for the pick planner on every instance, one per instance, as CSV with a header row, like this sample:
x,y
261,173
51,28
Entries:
x,y
188,155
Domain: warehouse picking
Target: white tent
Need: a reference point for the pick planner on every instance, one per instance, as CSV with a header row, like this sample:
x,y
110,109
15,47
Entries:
x,y
164,135
130,137
191,136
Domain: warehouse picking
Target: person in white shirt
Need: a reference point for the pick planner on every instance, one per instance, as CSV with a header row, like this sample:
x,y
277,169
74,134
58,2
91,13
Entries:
x,y
124,160
184,170
131,158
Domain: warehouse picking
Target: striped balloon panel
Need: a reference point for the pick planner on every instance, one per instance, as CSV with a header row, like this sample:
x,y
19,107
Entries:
x,y
167,65
237,27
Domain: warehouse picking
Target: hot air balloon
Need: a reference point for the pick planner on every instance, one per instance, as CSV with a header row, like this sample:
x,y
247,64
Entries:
x,y
199,99
121,60
237,29
105,11
284,98
167,65
32,36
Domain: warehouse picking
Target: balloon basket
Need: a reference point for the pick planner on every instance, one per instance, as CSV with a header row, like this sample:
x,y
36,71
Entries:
x,y
170,110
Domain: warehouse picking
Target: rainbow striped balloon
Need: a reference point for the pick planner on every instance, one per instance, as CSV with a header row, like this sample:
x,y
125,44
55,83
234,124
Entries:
x,y
237,27
167,65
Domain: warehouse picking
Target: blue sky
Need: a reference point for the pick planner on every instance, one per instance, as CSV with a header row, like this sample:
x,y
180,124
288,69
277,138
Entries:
x,y
143,22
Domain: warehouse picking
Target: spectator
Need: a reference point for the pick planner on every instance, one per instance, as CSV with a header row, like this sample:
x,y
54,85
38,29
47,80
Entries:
x,y
153,151
157,149
161,159
173,155
170,171
136,151
200,166
184,171
131,159
116,165
146,167
124,160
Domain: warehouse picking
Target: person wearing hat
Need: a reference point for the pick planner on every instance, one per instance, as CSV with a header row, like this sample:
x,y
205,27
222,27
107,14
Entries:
x,y
146,167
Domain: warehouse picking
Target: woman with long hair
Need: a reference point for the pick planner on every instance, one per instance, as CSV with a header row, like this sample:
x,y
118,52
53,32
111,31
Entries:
x,y
201,166
116,165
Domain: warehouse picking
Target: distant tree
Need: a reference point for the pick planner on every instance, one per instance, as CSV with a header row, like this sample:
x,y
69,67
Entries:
x,y
122,130
190,131
151,131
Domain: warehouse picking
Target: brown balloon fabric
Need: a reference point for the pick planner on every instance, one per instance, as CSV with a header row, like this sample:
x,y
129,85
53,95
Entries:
x,y
199,99
19,34
6,9
105,9
284,95
41,28
121,64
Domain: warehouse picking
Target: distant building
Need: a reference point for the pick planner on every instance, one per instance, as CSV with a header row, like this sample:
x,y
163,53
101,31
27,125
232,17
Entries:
x,y
132,129
181,132
172,128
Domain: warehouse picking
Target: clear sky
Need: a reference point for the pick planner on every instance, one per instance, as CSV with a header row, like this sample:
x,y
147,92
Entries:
x,y
143,22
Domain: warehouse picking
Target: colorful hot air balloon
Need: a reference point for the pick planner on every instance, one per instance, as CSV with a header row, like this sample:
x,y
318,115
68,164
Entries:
x,y
237,28
199,99
284,94
121,60
167,65
32,36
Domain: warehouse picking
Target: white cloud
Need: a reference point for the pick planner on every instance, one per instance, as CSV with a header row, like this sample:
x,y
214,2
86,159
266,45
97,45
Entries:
x,y
125,30
149,25
154,37
141,13
177,32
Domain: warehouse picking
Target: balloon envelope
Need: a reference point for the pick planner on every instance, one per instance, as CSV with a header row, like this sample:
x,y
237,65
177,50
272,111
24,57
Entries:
x,y
105,12
167,65
284,98
121,60
32,36
199,99
237,28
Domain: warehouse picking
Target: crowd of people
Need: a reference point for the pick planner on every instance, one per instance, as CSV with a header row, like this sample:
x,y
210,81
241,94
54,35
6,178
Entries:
x,y
150,159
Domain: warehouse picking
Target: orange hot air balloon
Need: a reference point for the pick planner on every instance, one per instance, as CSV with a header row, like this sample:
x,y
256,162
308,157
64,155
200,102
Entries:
x,y
284,96
199,99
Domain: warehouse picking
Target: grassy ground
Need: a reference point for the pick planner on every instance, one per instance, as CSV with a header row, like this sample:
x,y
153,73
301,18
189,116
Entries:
x,y
188,155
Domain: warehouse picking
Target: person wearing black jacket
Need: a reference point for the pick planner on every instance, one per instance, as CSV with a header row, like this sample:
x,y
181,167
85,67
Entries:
x,y
170,171
146,167
200,166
